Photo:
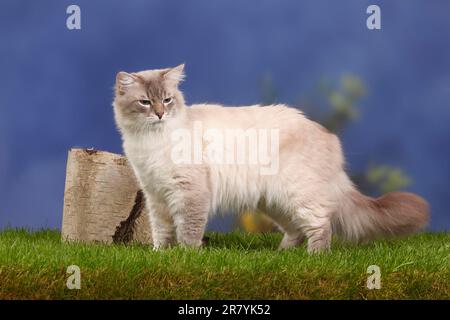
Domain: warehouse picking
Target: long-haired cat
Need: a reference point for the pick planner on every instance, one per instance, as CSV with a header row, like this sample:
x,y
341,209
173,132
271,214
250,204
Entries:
x,y
308,194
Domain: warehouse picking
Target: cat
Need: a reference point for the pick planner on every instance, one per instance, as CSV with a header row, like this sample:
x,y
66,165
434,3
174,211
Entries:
x,y
309,195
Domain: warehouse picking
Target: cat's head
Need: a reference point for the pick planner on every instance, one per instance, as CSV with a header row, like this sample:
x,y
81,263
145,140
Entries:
x,y
148,98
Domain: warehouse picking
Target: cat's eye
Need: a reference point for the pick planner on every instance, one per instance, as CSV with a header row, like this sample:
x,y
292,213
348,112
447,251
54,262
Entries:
x,y
168,100
145,103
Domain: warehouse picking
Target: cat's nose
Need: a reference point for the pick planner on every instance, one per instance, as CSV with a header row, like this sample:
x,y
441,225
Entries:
x,y
159,114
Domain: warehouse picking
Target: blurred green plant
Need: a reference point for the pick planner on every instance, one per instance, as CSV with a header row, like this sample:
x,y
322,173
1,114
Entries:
x,y
386,178
335,106
344,103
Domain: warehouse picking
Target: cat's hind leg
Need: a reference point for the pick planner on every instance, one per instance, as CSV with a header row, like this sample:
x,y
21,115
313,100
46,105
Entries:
x,y
291,240
314,221
293,235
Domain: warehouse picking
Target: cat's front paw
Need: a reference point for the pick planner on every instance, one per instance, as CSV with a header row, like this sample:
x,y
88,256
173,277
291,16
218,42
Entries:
x,y
161,246
191,243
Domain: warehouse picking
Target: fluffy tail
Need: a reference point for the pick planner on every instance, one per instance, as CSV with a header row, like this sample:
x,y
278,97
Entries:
x,y
361,218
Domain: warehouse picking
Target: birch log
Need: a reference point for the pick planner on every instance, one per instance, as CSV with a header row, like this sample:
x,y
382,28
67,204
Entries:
x,y
102,200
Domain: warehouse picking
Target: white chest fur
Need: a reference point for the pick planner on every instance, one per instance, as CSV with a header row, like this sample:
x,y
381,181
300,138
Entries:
x,y
149,156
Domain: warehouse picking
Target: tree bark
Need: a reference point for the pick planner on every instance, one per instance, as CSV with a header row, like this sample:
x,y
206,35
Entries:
x,y
102,200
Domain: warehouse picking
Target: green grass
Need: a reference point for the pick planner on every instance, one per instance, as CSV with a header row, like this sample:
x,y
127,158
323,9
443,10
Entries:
x,y
233,266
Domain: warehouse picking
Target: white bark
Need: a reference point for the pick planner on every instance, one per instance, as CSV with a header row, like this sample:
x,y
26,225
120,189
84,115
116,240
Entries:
x,y
100,193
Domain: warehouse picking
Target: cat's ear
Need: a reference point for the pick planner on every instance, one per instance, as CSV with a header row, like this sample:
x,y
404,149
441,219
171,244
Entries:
x,y
124,81
174,75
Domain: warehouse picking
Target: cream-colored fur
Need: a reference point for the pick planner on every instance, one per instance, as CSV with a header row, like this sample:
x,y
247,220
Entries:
x,y
310,195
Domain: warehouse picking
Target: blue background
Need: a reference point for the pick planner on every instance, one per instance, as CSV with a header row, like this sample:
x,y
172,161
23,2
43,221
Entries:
x,y
56,84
